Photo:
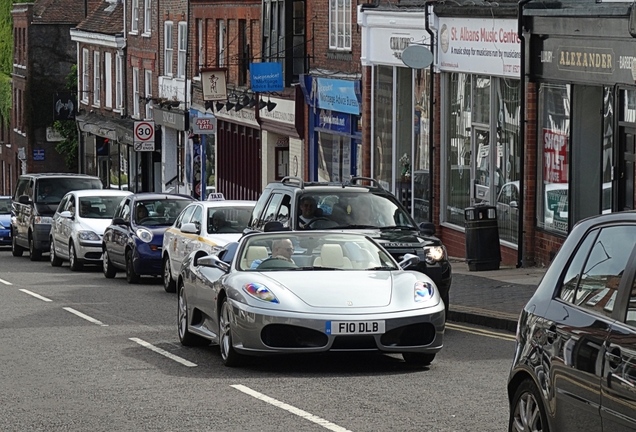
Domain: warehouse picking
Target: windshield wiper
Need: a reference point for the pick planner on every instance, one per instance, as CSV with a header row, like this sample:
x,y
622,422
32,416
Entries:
x,y
317,268
380,268
398,227
355,227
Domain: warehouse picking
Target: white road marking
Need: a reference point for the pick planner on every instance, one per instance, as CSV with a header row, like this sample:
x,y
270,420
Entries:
x,y
31,293
5,282
297,411
158,350
480,332
86,317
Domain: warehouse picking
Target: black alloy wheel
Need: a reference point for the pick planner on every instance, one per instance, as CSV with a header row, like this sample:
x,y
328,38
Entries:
x,y
55,260
131,276
527,413
107,266
34,254
16,250
169,285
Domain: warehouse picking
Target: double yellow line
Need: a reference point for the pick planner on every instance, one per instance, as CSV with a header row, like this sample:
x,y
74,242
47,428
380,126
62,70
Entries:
x,y
481,332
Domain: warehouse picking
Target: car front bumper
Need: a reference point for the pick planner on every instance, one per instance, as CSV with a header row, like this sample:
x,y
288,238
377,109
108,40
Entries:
x,y
264,331
89,251
5,236
41,233
146,260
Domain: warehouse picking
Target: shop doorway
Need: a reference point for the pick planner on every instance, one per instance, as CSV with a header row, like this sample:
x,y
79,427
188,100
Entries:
x,y
627,167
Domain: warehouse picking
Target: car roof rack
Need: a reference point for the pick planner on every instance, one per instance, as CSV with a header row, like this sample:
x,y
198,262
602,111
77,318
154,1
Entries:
x,y
296,180
373,181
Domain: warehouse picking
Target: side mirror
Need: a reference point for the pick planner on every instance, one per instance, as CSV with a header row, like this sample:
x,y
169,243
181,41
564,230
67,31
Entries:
x,y
427,228
213,261
24,199
189,228
67,214
120,221
514,204
409,260
274,226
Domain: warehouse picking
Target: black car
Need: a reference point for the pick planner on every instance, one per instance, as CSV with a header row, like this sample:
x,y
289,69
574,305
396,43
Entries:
x,y
353,206
133,241
575,360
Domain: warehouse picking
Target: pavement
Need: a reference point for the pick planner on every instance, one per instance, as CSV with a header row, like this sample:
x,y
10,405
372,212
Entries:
x,y
492,298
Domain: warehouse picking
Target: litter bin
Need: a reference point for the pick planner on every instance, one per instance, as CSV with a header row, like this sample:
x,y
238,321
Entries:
x,y
482,238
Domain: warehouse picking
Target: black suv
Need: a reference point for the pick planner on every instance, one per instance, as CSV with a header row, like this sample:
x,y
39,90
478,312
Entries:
x,y
353,206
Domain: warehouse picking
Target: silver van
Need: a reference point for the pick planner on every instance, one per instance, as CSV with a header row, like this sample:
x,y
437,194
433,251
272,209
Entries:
x,y
34,202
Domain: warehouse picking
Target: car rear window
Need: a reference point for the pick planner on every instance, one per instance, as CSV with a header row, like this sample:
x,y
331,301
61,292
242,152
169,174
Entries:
x,y
51,190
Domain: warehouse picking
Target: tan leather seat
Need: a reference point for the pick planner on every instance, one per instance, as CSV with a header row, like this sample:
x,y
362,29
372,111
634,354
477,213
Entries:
x,y
253,253
331,256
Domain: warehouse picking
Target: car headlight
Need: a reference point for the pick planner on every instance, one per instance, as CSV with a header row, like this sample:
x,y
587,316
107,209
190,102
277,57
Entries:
x,y
423,291
144,235
3,227
434,254
88,235
43,220
260,292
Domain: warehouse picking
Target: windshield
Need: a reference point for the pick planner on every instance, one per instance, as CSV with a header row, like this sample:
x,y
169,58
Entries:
x,y
351,210
159,212
312,251
97,207
228,219
51,190
5,205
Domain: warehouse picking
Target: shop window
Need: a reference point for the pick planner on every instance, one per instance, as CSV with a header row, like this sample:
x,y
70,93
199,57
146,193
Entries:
x,y
383,124
420,165
334,157
282,162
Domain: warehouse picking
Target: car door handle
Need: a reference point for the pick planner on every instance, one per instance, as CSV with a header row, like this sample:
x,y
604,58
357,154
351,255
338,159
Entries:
x,y
613,359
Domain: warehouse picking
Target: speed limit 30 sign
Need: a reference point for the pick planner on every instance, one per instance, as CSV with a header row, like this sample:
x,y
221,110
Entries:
x,y
144,136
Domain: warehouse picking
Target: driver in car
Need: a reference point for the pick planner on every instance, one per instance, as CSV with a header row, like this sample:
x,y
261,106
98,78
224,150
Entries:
x,y
282,249
141,213
307,211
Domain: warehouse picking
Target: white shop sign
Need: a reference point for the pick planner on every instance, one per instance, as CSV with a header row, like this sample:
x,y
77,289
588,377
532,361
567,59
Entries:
x,y
479,46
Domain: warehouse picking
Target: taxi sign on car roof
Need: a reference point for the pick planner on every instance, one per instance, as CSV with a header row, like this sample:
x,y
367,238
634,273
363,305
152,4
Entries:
x,y
216,197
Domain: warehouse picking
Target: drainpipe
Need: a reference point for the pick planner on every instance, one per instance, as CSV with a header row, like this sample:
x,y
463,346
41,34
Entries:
x,y
522,135
431,142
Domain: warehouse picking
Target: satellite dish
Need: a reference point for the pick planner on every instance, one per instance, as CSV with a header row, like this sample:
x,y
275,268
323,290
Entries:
x,y
417,57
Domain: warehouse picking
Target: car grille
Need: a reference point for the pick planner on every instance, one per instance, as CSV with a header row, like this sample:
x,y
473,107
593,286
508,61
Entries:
x,y
421,334
93,255
289,336
398,253
354,343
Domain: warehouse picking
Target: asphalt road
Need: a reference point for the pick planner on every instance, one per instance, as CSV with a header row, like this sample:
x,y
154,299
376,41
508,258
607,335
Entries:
x,y
80,352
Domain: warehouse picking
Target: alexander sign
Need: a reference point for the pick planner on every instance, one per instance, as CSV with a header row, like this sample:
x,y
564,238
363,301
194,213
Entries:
x,y
597,60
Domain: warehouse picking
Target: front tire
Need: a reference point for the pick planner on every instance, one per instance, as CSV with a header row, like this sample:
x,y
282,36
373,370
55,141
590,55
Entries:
x,y
169,284
73,262
185,337
34,254
55,260
131,276
16,250
418,359
107,266
527,413
229,356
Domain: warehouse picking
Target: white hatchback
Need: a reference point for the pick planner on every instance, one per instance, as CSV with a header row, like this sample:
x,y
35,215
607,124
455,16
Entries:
x,y
78,226
205,226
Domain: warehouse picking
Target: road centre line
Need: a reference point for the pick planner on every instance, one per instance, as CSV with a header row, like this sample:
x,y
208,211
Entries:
x,y
297,411
165,353
5,282
31,293
480,332
86,317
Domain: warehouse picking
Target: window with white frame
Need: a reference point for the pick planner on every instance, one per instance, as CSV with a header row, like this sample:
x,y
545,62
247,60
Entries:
x,y
108,80
97,91
134,17
221,42
148,88
200,46
167,46
340,25
119,81
85,82
147,16
183,40
135,78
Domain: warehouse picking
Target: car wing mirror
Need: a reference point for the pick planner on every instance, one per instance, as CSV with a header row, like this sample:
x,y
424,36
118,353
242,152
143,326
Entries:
x,y
189,228
120,221
514,204
23,199
212,261
67,214
427,228
409,260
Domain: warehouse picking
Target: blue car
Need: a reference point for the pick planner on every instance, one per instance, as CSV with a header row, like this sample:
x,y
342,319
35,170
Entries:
x,y
133,241
5,221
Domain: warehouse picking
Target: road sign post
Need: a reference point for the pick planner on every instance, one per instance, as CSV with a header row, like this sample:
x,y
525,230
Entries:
x,y
144,136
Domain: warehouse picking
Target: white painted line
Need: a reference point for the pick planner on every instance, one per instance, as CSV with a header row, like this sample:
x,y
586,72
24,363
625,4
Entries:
x,y
304,414
5,282
480,332
158,350
31,293
86,317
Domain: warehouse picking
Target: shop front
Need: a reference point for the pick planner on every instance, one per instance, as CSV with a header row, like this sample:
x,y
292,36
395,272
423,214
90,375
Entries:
x,y
399,101
335,135
201,151
586,113
481,156
167,163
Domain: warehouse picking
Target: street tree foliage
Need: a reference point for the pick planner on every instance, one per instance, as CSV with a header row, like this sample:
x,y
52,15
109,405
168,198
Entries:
x,y
68,147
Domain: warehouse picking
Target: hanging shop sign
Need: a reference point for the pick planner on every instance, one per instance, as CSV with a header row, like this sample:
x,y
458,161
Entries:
x,y
481,46
213,84
266,77
204,124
